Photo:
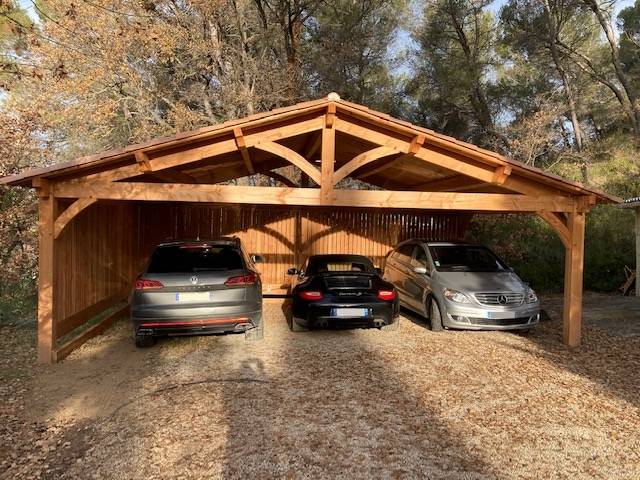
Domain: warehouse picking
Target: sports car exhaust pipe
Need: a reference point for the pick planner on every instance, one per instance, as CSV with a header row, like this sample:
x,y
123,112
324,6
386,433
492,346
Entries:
x,y
378,323
323,323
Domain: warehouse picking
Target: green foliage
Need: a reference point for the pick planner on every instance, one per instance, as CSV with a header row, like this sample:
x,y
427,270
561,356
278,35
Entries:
x,y
536,253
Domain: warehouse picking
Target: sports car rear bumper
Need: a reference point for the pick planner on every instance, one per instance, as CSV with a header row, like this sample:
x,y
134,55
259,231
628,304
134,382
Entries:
x,y
323,316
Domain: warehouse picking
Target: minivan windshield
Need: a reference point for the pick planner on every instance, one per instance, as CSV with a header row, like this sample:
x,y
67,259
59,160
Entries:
x,y
195,258
465,258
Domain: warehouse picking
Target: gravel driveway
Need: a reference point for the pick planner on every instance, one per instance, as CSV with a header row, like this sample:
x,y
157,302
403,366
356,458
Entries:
x,y
351,404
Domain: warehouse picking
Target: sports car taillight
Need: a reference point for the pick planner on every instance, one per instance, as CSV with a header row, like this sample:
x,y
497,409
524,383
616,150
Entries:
x,y
248,279
146,284
386,294
310,295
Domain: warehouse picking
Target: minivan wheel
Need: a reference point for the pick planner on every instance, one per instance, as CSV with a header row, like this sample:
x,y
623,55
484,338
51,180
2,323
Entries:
x,y
435,317
144,341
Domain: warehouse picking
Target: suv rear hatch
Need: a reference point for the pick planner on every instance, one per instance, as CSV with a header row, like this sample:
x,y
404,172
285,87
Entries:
x,y
189,275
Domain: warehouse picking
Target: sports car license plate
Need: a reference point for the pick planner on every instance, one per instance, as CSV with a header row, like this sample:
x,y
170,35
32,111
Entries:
x,y
349,312
193,296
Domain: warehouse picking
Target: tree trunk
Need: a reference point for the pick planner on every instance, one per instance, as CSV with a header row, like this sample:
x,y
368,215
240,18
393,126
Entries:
x,y
615,59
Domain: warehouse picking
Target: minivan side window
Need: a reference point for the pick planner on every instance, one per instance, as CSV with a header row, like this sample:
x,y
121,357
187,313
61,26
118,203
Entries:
x,y
404,253
420,257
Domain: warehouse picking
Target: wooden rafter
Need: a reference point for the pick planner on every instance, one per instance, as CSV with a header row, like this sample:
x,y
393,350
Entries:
x,y
244,151
362,160
441,159
292,157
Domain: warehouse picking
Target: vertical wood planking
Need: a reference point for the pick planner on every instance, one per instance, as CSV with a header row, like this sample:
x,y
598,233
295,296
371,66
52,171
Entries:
x,y
285,236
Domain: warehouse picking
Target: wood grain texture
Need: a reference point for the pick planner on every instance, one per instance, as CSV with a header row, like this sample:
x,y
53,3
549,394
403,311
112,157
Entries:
x,y
573,280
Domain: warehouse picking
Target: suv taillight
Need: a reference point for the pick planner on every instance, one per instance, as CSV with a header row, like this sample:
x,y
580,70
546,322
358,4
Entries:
x,y
386,294
146,284
248,279
310,295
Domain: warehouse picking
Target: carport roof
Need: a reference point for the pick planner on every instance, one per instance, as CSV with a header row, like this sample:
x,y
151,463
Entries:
x,y
405,173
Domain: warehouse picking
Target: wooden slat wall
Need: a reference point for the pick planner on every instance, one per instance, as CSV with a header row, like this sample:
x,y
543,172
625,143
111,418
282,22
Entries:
x,y
95,262
285,236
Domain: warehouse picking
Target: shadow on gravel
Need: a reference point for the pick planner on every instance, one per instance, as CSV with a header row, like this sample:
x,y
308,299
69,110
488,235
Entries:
x,y
611,362
335,409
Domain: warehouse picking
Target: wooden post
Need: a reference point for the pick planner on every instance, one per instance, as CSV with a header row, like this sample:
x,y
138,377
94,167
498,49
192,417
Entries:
x,y
573,276
637,252
328,156
46,264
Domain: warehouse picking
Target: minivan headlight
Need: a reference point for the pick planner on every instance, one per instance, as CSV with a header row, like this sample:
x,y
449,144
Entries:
x,y
455,296
531,296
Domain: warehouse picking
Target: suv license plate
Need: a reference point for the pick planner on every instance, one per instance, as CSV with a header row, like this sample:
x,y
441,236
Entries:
x,y
194,296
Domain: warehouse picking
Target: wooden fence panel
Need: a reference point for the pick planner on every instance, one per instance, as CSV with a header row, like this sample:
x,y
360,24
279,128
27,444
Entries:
x,y
285,236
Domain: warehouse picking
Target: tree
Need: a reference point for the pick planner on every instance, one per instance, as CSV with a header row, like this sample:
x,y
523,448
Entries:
x,y
346,50
534,29
454,62
602,12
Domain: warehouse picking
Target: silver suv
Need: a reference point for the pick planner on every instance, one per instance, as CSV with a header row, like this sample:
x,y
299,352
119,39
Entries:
x,y
459,285
197,287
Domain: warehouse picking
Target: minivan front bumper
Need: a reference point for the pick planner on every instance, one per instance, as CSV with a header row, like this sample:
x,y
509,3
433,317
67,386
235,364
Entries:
x,y
484,318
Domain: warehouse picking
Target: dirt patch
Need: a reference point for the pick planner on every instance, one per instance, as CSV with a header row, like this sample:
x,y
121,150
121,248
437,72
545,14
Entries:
x,y
351,404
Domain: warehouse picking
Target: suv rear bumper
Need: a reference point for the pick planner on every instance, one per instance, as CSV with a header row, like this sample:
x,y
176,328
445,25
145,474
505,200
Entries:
x,y
201,324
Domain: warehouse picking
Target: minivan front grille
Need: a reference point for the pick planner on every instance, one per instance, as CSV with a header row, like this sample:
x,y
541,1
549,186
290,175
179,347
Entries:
x,y
500,298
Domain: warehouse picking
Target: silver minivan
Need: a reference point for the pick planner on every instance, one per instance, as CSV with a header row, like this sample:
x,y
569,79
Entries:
x,y
460,285
197,287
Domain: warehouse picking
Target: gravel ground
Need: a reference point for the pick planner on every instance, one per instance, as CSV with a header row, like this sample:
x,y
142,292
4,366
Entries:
x,y
407,403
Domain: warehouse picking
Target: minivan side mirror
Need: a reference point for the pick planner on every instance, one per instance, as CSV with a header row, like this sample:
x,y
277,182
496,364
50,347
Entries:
x,y
293,271
420,270
257,259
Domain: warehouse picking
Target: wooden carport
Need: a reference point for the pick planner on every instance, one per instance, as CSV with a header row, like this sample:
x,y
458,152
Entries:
x,y
100,215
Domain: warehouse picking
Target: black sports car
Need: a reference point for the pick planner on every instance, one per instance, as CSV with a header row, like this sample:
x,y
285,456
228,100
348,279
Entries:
x,y
341,291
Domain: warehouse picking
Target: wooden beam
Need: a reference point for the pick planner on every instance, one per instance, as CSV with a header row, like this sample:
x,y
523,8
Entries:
x,y
331,115
66,325
558,225
310,196
292,157
70,213
454,163
501,174
142,160
416,144
220,145
42,187
242,146
64,350
573,280
327,165
361,160
48,207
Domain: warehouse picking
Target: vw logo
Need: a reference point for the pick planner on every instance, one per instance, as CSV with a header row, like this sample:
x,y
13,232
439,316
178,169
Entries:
x,y
194,280
502,299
